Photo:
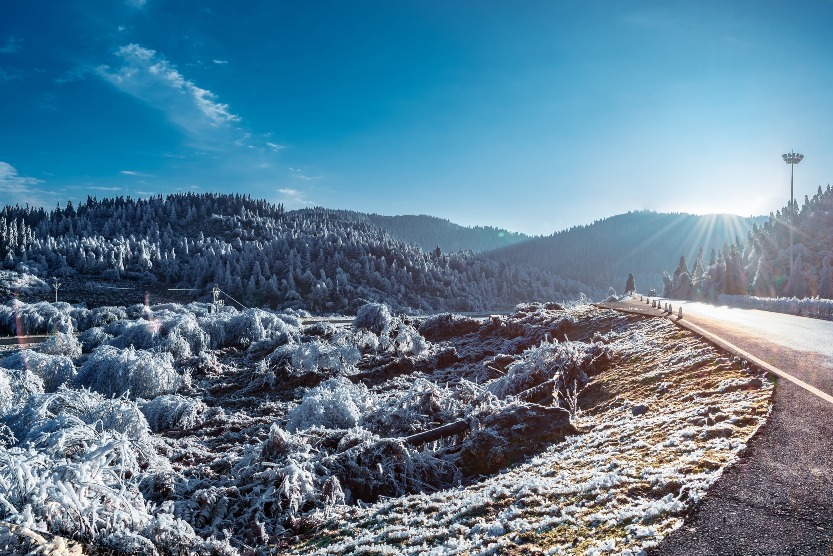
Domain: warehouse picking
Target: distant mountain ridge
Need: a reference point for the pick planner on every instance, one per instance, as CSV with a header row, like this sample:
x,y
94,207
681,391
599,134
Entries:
x,y
602,254
314,259
430,232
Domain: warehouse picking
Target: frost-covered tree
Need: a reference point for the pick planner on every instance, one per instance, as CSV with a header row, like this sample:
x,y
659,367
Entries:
x,y
826,278
630,284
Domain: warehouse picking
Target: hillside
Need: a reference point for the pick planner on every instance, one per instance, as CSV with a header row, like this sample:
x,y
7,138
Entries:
x,y
257,253
760,263
430,232
603,253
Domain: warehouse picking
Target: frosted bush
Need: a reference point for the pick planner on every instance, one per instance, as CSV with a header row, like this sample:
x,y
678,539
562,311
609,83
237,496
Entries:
x,y
566,364
92,338
102,316
337,355
53,370
174,412
334,404
66,422
16,385
409,341
447,325
253,325
139,334
808,307
143,374
184,336
375,317
369,467
61,344
22,282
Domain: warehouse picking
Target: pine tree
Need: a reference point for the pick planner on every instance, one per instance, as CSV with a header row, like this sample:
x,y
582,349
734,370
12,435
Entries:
x,y
826,277
630,285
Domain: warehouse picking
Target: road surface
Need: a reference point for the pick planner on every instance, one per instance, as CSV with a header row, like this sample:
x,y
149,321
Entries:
x,y
779,498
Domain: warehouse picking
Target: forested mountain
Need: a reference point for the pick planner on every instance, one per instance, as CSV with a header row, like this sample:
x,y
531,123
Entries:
x,y
430,232
603,253
760,264
311,259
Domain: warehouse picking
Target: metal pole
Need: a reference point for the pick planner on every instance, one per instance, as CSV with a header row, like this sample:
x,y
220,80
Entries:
x,y
792,173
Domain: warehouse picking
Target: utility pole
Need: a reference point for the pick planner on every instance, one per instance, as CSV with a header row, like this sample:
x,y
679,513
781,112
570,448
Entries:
x,y
792,159
56,284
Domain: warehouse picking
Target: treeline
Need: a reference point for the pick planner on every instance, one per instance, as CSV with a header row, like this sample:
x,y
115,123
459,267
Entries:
x,y
430,232
603,253
760,264
312,259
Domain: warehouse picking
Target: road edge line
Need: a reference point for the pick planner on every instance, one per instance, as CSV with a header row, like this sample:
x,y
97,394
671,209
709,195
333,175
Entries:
x,y
732,348
728,346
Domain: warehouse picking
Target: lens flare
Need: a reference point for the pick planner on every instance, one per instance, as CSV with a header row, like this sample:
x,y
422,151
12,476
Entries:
x,y
154,325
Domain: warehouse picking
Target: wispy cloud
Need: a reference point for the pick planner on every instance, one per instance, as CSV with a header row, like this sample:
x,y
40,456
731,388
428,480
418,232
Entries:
x,y
10,74
17,189
220,62
101,188
293,198
11,45
274,146
298,173
137,174
149,77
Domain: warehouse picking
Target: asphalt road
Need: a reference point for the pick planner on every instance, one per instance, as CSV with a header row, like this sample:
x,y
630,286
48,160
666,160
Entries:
x,y
778,500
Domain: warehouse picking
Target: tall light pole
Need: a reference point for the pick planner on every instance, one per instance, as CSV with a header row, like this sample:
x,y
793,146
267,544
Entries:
x,y
56,284
792,159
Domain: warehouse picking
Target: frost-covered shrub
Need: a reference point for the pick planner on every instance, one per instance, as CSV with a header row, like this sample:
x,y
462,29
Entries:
x,y
375,317
139,334
408,341
338,355
64,423
808,306
334,404
143,374
422,405
53,370
92,338
61,344
184,337
174,412
102,316
447,325
368,467
253,325
22,282
566,365
16,385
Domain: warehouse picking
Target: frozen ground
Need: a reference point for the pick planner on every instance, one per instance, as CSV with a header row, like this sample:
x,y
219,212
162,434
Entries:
x,y
184,430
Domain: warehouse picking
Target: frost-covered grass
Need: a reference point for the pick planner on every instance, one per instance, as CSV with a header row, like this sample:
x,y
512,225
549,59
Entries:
x,y
807,307
187,430
619,488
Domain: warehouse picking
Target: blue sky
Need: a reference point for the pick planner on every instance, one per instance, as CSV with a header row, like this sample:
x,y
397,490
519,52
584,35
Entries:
x,y
533,116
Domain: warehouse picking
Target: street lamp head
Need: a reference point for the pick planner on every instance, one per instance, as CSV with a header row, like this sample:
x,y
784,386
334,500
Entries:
x,y
792,158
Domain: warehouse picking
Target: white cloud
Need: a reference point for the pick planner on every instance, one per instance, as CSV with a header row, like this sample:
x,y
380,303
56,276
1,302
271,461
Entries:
x,y
293,198
97,188
9,74
298,173
220,62
17,189
138,174
275,146
149,77
10,45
